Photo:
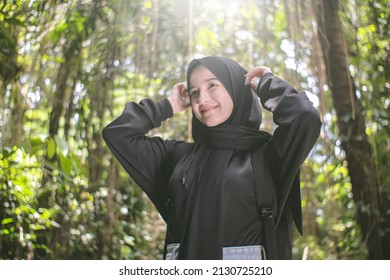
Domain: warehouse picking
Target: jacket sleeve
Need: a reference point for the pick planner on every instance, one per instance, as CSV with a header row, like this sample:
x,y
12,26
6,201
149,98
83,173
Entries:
x,y
142,157
298,129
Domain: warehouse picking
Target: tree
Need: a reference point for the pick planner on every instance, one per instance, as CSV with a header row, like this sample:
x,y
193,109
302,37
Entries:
x,y
352,129
68,67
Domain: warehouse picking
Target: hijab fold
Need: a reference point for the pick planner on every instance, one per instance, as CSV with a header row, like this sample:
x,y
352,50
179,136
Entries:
x,y
207,164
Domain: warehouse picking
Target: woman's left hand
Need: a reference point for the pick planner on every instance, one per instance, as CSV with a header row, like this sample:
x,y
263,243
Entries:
x,y
179,98
254,75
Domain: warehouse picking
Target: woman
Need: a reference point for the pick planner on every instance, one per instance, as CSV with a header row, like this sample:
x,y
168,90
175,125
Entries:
x,y
235,190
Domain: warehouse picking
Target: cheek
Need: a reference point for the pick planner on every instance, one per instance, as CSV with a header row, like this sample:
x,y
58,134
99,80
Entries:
x,y
195,110
193,107
231,107
228,105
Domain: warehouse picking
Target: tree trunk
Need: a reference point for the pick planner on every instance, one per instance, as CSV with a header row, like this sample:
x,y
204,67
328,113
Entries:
x,y
60,96
11,123
14,129
351,126
154,40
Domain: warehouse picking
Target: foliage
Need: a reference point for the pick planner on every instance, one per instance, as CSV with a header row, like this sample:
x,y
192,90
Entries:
x,y
68,67
22,219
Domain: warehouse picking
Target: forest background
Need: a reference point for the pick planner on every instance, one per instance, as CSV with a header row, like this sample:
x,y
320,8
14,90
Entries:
x,y
67,68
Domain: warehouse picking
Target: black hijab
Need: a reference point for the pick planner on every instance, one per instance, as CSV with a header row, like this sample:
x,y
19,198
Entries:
x,y
205,167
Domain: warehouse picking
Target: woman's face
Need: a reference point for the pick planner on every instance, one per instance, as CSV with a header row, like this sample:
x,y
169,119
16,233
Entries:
x,y
210,101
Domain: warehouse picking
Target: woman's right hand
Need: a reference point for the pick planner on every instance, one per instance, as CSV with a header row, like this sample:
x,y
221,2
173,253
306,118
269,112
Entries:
x,y
254,75
179,98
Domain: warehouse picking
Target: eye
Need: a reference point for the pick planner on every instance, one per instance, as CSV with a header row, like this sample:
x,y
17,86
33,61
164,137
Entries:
x,y
194,93
212,85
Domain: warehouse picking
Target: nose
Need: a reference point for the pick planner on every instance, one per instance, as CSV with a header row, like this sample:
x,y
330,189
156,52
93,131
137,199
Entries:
x,y
204,97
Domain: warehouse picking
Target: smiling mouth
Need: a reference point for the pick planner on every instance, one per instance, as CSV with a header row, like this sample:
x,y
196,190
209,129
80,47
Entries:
x,y
208,109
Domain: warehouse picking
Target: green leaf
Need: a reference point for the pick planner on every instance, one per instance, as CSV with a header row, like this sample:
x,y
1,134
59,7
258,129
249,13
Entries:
x,y
37,227
7,221
62,145
4,231
37,144
66,164
51,148
7,151
57,32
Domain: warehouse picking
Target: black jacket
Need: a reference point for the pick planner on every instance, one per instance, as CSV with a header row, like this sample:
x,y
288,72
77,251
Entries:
x,y
150,161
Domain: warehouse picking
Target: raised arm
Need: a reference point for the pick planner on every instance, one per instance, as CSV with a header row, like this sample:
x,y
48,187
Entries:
x,y
298,129
146,159
292,111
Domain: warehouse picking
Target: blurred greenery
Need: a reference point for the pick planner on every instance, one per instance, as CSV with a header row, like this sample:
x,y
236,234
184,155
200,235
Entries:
x,y
67,68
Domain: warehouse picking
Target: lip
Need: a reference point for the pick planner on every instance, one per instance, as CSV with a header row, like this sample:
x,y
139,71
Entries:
x,y
208,109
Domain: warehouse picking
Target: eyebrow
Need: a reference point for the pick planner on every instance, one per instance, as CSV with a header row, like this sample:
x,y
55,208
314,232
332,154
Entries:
x,y
205,81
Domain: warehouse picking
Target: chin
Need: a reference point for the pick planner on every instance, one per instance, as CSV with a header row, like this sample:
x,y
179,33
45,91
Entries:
x,y
212,123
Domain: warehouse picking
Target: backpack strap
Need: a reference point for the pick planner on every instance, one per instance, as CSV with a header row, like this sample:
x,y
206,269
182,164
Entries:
x,y
270,236
266,201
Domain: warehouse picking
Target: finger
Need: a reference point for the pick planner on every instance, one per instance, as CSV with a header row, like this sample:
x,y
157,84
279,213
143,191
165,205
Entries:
x,y
258,71
254,73
251,74
183,91
185,99
187,102
182,87
254,83
184,94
